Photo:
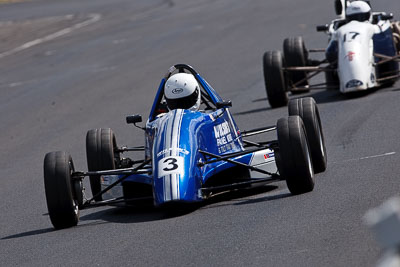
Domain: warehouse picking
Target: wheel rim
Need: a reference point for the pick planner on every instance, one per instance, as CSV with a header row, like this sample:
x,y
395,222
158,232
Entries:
x,y
76,208
74,197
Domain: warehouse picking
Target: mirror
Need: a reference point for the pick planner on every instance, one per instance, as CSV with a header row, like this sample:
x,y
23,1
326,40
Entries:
x,y
132,119
387,16
322,28
224,104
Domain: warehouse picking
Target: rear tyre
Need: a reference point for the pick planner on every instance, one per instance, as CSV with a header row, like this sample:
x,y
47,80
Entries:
x,y
58,185
307,109
296,55
295,155
274,79
101,147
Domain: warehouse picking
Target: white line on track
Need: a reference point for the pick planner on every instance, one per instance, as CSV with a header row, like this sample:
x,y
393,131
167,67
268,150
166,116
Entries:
x,y
92,19
368,157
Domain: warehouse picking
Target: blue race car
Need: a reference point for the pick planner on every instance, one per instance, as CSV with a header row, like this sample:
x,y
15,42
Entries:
x,y
191,153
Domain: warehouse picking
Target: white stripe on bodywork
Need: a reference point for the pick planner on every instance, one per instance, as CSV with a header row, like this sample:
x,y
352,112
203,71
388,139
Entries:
x,y
171,182
167,188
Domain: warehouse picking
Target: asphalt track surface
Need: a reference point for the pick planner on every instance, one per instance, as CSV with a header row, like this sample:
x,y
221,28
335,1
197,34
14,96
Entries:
x,y
70,66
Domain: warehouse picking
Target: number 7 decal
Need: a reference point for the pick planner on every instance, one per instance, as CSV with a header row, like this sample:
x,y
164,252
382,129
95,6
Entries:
x,y
354,35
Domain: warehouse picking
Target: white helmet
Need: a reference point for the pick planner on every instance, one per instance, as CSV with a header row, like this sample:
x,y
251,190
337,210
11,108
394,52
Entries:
x,y
358,10
182,91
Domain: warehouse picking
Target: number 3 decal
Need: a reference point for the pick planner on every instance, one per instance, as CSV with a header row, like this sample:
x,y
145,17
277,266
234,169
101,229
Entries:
x,y
171,162
170,165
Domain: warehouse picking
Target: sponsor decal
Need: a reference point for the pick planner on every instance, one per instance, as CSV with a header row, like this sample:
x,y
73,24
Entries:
x,y
350,55
269,155
223,136
165,151
353,83
177,91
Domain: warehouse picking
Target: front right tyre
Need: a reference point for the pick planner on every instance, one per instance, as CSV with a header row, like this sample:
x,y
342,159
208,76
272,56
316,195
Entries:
x,y
101,154
295,157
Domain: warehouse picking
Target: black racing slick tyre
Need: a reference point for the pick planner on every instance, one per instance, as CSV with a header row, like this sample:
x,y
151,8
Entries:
x,y
101,154
274,79
61,203
307,109
296,55
295,155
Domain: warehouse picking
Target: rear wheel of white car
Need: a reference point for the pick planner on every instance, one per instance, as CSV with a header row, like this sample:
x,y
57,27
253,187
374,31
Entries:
x,y
307,109
296,164
101,154
296,55
59,186
274,79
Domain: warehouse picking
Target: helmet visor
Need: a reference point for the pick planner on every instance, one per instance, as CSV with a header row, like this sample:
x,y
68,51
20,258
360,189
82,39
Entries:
x,y
359,16
184,102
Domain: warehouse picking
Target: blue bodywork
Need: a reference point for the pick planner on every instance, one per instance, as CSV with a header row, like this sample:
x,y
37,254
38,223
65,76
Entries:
x,y
383,44
173,140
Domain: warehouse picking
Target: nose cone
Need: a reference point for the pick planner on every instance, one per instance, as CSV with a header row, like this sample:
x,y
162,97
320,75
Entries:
x,y
175,154
355,60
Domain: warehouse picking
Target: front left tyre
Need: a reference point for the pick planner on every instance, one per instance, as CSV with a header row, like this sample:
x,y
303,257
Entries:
x,y
62,200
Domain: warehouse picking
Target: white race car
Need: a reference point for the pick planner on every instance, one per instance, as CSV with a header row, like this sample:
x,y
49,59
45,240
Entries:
x,y
363,53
